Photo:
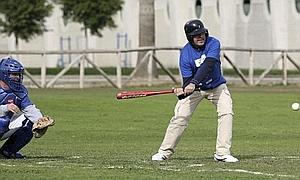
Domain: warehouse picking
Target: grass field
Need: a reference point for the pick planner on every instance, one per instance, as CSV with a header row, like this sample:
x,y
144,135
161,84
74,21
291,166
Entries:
x,y
98,137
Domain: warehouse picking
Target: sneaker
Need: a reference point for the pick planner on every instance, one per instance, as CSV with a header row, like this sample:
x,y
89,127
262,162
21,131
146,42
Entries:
x,y
16,155
159,157
225,158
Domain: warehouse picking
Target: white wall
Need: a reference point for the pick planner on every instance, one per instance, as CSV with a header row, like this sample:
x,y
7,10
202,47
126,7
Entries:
x,y
260,29
293,35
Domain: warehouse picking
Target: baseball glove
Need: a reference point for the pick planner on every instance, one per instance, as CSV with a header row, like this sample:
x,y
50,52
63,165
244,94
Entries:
x,y
40,127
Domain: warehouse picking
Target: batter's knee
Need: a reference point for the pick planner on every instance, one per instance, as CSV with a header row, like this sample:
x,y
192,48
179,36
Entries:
x,y
180,120
225,113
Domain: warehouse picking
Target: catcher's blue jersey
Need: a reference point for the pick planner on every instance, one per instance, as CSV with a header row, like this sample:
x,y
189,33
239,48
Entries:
x,y
20,99
191,59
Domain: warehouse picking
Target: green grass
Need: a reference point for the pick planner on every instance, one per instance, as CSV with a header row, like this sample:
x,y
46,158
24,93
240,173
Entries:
x,y
98,137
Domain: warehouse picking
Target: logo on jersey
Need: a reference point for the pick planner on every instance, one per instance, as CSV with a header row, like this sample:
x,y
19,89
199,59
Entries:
x,y
10,101
199,61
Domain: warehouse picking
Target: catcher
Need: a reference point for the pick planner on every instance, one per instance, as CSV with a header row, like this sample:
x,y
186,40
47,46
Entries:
x,y
20,120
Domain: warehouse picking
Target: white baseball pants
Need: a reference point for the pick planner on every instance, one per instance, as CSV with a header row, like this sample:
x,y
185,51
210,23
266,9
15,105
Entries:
x,y
183,111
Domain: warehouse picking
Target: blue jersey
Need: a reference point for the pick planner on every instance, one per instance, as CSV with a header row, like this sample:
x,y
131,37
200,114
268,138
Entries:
x,y
20,99
191,59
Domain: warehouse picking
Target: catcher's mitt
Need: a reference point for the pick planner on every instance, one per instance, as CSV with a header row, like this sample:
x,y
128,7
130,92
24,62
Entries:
x,y
40,127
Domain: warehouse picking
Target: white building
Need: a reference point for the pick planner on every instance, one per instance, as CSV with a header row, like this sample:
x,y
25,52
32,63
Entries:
x,y
269,24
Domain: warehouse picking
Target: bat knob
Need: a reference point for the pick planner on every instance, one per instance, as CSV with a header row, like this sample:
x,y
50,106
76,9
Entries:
x,y
119,95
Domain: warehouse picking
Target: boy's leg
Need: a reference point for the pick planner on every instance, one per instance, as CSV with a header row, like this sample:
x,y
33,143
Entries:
x,y
17,140
222,99
182,114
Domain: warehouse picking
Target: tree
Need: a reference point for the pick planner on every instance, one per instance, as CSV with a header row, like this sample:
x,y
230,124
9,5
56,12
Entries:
x,y
24,19
93,14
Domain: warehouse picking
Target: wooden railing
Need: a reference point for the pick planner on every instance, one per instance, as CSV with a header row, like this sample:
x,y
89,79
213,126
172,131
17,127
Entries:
x,y
150,56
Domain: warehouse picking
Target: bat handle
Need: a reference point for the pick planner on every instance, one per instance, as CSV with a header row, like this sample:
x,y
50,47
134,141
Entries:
x,y
182,96
173,89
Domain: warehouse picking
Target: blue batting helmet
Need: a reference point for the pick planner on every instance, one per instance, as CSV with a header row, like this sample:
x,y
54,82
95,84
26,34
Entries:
x,y
194,27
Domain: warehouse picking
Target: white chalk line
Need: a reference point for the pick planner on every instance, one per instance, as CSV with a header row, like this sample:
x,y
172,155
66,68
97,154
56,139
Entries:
x,y
115,167
48,162
7,165
234,170
174,169
247,172
75,157
279,157
195,165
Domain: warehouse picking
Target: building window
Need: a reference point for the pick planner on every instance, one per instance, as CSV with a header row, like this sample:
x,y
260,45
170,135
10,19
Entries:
x,y
246,6
269,6
297,5
198,8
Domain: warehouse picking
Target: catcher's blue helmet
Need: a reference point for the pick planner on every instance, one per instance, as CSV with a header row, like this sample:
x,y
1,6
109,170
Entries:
x,y
11,72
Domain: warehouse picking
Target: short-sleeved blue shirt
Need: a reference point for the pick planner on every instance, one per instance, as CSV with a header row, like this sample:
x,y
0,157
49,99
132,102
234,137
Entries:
x,y
191,59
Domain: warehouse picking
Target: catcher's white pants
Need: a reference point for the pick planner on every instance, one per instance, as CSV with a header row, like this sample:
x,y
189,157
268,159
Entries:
x,y
183,111
14,125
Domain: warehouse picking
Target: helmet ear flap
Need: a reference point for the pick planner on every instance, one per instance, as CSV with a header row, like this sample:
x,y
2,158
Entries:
x,y
206,33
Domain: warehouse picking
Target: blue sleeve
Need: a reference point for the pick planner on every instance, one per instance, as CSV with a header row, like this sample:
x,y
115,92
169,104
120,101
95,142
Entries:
x,y
214,50
184,65
186,81
25,102
203,71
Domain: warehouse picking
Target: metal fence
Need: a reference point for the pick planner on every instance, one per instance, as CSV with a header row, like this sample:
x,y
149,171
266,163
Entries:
x,y
120,80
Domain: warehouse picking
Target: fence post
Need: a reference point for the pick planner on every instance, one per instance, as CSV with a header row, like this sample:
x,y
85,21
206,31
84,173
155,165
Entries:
x,y
236,69
119,70
251,68
284,68
150,68
43,71
81,72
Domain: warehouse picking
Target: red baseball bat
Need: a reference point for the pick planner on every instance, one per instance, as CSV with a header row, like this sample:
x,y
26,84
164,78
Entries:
x,y
142,93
